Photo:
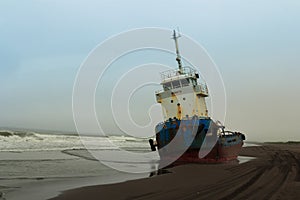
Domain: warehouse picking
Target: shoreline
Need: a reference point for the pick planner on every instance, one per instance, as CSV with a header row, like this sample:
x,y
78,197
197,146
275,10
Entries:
x,y
34,189
275,173
42,175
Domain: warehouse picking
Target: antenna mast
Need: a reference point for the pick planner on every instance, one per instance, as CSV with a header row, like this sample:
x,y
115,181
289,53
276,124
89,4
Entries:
x,y
178,58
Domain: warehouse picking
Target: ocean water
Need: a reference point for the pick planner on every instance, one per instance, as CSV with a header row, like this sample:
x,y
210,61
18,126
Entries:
x,y
38,166
33,155
33,141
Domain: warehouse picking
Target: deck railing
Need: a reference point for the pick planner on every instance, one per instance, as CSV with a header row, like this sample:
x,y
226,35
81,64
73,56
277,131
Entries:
x,y
186,71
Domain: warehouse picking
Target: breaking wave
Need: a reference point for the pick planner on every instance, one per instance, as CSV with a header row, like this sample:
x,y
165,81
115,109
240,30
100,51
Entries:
x,y
19,134
33,141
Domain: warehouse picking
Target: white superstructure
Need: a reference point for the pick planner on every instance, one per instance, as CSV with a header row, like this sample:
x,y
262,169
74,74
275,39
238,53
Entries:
x,y
182,96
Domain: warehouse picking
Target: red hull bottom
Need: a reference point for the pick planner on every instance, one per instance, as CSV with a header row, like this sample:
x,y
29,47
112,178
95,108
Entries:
x,y
219,154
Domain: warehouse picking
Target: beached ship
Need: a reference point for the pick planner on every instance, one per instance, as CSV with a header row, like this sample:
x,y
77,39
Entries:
x,y
187,133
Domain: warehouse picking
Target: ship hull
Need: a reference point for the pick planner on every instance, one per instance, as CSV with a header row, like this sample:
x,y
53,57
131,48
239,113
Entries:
x,y
207,146
219,154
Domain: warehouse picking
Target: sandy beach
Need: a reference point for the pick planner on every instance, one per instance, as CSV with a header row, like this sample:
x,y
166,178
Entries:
x,y
274,174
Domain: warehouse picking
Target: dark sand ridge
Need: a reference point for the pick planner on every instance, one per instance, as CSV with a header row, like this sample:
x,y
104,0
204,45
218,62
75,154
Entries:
x,y
275,174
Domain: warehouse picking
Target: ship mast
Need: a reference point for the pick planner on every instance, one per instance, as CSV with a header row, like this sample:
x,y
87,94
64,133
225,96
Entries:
x,y
178,58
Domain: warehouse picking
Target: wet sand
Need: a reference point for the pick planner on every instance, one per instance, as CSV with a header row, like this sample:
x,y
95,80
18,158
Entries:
x,y
41,175
274,174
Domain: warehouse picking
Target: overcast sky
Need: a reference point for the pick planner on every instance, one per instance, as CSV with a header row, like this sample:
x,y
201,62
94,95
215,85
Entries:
x,y
255,45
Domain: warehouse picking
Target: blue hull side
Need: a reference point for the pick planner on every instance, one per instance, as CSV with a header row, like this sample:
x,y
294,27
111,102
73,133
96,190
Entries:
x,y
195,134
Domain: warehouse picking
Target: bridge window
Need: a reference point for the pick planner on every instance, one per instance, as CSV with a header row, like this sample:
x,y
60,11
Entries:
x,y
167,86
176,84
184,82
